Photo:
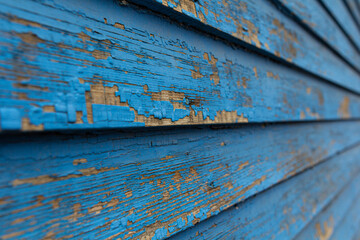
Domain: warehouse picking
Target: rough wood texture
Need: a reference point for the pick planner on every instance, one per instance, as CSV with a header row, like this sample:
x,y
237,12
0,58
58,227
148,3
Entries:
x,y
152,184
341,14
261,25
74,66
71,65
334,214
282,211
315,17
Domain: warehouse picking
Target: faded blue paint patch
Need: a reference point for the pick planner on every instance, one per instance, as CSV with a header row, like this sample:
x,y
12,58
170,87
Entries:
x,y
160,233
10,118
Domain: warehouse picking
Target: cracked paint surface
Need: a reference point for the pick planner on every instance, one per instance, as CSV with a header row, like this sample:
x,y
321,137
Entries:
x,y
120,73
70,65
261,24
287,210
150,184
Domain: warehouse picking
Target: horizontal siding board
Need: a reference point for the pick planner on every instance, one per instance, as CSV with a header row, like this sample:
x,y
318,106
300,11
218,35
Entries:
x,y
331,217
75,67
71,65
315,17
349,227
357,5
282,211
264,27
357,234
152,184
351,5
341,14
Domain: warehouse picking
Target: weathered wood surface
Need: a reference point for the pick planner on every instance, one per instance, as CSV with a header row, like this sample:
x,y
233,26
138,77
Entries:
x,y
152,184
68,68
314,16
324,224
265,28
282,211
90,64
343,17
70,87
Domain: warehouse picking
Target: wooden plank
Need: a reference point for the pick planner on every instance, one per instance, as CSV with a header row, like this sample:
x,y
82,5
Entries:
x,y
314,17
340,13
349,227
357,3
281,212
331,217
263,27
65,70
352,8
151,184
357,234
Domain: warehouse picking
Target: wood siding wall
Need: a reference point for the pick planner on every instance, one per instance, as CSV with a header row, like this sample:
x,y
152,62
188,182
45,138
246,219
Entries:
x,y
180,119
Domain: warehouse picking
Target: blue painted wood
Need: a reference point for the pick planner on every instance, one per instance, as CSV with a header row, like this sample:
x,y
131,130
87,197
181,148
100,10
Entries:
x,y
341,14
324,224
357,3
349,227
314,16
263,27
352,8
282,211
94,65
85,65
153,184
